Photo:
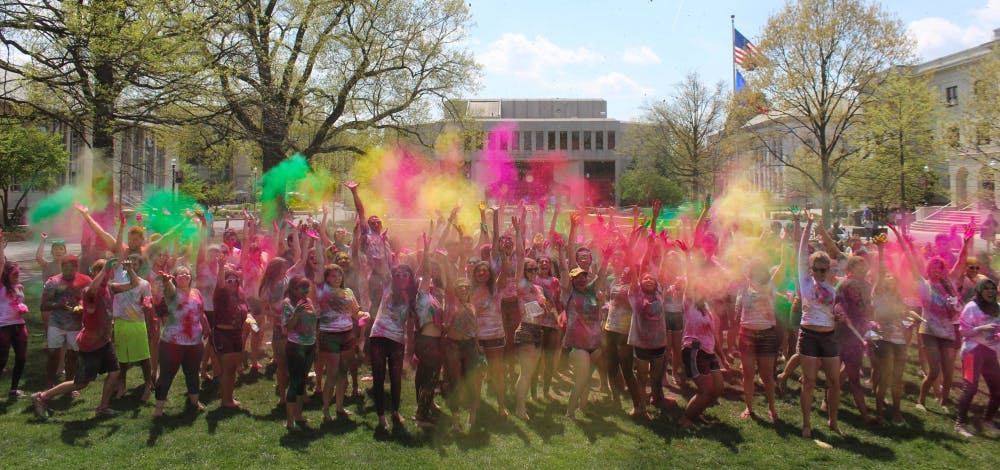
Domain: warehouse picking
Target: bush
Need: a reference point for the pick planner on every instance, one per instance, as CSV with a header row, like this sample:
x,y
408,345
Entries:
x,y
640,186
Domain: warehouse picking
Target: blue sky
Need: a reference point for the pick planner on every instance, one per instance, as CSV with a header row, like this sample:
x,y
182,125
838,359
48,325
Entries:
x,y
632,52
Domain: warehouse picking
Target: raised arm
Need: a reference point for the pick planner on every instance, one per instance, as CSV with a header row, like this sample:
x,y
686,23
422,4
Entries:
x,y
911,258
574,221
519,246
103,235
959,267
40,252
358,205
828,244
802,257
484,232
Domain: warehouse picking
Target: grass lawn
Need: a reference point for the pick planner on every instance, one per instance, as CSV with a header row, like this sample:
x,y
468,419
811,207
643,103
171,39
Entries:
x,y
255,437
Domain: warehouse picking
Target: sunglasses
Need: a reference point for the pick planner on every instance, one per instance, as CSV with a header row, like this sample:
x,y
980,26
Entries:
x,y
973,267
184,275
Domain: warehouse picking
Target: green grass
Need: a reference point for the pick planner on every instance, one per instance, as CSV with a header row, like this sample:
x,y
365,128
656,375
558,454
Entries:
x,y
255,437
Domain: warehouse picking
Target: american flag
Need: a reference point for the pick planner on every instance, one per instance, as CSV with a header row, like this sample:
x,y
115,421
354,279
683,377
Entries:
x,y
742,49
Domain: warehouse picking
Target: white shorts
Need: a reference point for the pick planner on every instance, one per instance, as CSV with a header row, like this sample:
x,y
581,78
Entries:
x,y
59,337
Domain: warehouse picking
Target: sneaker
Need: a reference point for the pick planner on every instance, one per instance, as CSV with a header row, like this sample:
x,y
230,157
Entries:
x,y
39,402
102,411
963,431
16,394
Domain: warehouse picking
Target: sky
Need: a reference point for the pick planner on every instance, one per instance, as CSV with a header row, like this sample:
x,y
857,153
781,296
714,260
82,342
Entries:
x,y
634,52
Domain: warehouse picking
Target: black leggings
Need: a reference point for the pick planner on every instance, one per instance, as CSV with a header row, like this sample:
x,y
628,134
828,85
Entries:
x,y
177,356
16,336
300,358
386,354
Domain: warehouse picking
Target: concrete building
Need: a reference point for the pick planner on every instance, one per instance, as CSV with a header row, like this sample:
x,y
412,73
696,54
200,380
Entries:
x,y
550,141
972,161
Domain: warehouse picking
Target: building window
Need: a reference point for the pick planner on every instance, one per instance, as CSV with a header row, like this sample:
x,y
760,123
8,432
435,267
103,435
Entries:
x,y
516,140
599,140
951,95
562,140
586,140
611,140
539,140
527,140
552,140
575,136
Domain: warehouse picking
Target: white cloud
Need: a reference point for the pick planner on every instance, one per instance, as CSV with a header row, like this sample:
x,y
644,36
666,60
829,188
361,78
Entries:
x,y
530,58
641,56
937,36
609,85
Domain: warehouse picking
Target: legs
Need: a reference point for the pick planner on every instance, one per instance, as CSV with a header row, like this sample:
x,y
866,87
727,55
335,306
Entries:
x,y
495,368
809,367
749,360
581,360
933,353
16,337
527,356
430,358
170,363
227,383
831,371
709,389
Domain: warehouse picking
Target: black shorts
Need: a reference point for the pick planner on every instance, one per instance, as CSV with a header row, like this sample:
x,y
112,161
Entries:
x,y
334,343
675,322
91,364
227,341
698,363
759,342
644,354
492,343
529,333
933,342
817,344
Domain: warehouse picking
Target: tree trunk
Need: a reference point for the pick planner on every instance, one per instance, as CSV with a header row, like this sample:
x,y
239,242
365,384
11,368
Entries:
x,y
4,203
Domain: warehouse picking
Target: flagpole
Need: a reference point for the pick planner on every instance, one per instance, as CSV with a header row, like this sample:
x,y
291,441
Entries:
x,y
732,59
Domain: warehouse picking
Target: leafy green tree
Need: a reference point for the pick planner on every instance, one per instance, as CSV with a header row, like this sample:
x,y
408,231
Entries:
x,y
819,61
30,159
640,187
897,135
303,75
104,65
679,138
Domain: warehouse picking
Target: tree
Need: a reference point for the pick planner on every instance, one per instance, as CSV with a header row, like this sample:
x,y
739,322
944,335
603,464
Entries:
x,y
897,134
103,65
640,187
30,159
680,138
300,75
819,61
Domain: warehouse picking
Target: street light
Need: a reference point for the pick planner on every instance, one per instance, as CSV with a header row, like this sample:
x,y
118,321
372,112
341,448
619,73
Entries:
x,y
173,176
253,188
925,181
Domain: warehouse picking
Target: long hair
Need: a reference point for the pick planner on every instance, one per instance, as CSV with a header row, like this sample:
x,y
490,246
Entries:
x,y
409,293
8,268
489,282
275,269
294,286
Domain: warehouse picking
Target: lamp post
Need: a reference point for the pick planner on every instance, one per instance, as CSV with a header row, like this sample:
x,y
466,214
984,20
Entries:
x,y
173,176
925,181
253,188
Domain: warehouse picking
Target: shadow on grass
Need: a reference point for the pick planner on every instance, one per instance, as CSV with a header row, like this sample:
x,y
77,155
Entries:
x,y
214,417
171,422
81,433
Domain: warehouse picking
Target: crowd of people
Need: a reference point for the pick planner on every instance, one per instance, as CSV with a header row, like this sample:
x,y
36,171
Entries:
x,y
518,305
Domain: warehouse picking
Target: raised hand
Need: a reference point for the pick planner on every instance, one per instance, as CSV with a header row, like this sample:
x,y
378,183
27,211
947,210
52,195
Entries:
x,y
352,185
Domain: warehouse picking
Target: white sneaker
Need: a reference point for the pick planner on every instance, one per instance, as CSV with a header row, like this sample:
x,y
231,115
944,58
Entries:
x,y
963,431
